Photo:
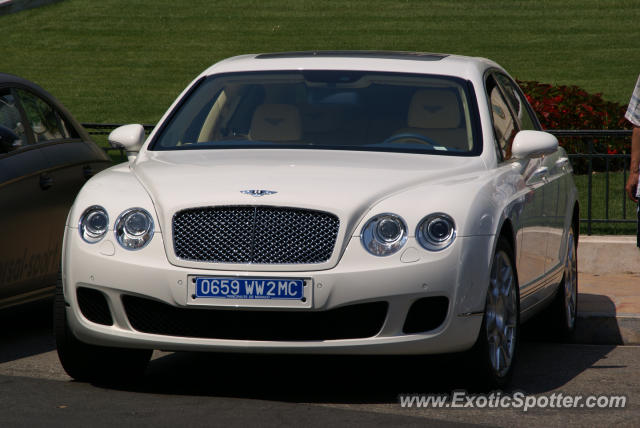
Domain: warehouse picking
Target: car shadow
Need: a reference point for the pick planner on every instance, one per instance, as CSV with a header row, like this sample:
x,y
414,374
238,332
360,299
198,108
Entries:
x,y
549,362
303,378
596,323
545,364
542,367
26,330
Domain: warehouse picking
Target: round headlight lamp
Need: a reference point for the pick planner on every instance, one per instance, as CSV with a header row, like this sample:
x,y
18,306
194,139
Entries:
x,y
94,224
384,234
389,229
134,228
436,232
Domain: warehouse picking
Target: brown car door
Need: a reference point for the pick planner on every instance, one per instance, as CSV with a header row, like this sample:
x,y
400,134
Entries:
x,y
28,253
40,175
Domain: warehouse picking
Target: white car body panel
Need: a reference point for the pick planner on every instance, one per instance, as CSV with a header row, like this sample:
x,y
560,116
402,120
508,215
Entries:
x,y
480,193
184,180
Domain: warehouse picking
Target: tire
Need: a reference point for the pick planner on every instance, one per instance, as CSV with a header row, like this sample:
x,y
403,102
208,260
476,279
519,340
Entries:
x,y
91,363
564,308
495,351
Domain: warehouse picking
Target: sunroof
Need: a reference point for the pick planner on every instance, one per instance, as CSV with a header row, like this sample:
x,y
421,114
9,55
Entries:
x,y
420,56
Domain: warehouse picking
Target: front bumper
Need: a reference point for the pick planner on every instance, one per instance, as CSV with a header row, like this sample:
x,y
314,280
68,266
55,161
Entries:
x,y
457,273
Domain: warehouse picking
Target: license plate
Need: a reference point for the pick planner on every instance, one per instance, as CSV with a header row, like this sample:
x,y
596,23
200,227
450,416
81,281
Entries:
x,y
250,288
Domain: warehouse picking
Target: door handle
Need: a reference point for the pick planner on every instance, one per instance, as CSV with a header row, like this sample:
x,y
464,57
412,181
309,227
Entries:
x,y
562,163
46,181
539,174
87,172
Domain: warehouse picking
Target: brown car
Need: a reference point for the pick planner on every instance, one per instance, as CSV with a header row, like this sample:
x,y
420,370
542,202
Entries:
x,y
45,158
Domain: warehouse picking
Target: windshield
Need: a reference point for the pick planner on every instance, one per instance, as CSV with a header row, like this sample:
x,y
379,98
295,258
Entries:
x,y
325,110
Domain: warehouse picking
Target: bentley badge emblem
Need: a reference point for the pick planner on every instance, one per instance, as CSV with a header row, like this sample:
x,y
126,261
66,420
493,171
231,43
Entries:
x,y
258,192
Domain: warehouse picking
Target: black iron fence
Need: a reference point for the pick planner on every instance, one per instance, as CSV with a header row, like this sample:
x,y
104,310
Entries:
x,y
600,171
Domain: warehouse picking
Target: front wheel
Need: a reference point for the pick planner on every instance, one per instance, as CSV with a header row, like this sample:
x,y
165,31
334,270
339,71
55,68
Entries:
x,y
494,353
91,363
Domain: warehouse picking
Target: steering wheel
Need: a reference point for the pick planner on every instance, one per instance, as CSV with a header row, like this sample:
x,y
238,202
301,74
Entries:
x,y
410,137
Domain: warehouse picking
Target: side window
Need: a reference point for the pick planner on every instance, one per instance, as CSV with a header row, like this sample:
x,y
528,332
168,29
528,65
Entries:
x,y
11,119
504,125
518,102
44,120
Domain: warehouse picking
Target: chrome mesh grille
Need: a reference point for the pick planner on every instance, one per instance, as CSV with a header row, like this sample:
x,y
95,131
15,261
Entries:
x,y
261,235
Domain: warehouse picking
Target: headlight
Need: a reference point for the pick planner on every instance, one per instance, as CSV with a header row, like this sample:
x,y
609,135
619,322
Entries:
x,y
384,234
134,228
436,232
94,224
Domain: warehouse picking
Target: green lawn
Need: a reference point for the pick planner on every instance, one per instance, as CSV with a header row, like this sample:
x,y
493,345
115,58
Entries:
x,y
125,61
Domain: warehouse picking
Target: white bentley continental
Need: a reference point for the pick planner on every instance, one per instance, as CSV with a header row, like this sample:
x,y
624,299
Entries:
x,y
327,203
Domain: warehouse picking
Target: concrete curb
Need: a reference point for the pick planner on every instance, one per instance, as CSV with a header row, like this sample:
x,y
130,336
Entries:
x,y
608,254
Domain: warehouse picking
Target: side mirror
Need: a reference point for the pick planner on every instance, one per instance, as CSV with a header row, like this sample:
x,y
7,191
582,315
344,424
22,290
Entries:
x,y
8,140
131,137
533,144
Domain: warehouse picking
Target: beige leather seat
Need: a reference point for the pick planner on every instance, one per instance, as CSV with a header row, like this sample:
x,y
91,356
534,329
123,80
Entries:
x,y
276,122
435,113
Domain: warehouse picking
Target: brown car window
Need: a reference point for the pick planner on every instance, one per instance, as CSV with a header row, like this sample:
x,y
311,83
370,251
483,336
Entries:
x,y
11,119
43,118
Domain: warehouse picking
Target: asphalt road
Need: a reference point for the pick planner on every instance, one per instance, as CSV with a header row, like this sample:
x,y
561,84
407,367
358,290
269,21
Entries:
x,y
191,389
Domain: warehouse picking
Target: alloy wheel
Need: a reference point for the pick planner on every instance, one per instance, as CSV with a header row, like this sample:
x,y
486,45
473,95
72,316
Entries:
x,y
571,283
501,314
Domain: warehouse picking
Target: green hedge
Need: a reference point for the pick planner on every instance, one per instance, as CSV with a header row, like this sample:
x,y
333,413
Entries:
x,y
571,107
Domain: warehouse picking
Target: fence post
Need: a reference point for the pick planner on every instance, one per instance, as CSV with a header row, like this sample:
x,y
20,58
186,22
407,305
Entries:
x,y
590,185
606,191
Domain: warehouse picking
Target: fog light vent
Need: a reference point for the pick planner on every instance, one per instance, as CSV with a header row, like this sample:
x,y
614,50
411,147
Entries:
x,y
93,305
426,314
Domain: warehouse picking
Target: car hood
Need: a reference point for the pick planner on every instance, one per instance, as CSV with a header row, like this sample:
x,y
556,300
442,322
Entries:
x,y
345,183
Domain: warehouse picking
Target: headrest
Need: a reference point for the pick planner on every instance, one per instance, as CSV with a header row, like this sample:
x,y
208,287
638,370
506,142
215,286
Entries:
x,y
276,122
434,108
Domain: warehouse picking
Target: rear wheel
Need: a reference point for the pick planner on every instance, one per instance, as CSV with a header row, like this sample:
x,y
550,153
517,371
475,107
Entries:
x,y
565,306
91,363
494,353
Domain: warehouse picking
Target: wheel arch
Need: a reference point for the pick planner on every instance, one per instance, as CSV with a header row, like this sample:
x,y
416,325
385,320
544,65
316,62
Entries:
x,y
507,231
575,221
